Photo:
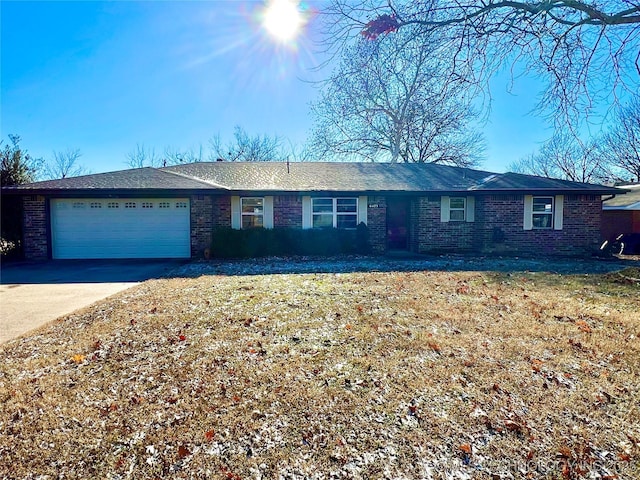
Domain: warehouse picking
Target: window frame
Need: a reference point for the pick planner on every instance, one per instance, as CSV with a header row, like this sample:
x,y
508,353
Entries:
x,y
244,214
462,209
335,214
550,214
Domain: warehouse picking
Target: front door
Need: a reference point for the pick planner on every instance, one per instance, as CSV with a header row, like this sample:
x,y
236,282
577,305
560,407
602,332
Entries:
x,y
397,223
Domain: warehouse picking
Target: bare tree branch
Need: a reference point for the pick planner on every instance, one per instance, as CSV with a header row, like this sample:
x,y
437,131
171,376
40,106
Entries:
x,y
142,156
395,100
587,51
565,157
620,146
64,164
247,148
176,156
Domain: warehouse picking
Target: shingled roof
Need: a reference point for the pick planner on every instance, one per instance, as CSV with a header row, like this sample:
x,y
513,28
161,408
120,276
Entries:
x,y
266,177
331,176
138,179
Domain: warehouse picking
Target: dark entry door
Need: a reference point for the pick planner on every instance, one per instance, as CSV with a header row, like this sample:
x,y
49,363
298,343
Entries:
x,y
397,223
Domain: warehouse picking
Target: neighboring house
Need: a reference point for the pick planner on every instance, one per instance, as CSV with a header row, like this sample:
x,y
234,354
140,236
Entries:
x,y
174,211
621,214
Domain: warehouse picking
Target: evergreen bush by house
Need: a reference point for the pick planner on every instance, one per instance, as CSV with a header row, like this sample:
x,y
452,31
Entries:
x,y
260,242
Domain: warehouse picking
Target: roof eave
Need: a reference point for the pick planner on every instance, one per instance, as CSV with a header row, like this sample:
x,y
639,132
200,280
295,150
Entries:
x,y
71,192
548,191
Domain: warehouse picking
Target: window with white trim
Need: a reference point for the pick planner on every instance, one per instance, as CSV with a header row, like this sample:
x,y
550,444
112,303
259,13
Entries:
x,y
457,209
334,212
252,212
542,212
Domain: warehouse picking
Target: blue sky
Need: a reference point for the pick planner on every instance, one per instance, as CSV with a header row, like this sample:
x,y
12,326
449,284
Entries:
x,y
104,76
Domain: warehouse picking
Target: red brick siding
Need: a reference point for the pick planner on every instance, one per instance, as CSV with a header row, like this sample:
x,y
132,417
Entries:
x,y
35,219
221,211
287,211
434,235
500,223
201,224
503,216
377,223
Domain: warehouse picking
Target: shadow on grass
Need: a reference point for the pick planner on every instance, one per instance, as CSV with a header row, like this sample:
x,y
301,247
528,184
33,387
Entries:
x,y
444,263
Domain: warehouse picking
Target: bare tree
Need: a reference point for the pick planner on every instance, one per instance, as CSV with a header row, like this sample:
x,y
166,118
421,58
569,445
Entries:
x,y
565,157
64,164
247,148
175,156
393,100
299,153
585,50
620,146
142,156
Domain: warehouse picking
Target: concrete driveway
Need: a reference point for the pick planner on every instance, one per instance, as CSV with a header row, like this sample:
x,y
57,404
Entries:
x,y
33,294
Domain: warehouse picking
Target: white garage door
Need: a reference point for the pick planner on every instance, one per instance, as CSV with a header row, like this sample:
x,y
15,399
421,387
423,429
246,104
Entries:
x,y
120,228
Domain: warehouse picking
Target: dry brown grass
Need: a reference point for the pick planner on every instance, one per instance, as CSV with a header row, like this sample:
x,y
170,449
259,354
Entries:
x,y
355,375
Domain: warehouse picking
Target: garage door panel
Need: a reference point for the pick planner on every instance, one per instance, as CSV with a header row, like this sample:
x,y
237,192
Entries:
x,y
120,228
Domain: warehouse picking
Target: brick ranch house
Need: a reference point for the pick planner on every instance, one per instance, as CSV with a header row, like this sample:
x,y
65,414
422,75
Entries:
x,y
173,211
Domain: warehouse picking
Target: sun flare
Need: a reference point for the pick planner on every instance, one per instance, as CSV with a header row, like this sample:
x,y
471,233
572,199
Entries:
x,y
283,20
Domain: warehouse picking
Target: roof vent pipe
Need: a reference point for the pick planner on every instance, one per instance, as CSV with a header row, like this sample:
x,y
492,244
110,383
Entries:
x,y
220,160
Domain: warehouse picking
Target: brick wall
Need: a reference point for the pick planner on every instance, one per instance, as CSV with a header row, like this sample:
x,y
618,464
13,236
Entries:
x,y
201,224
432,235
377,223
500,221
287,211
35,228
498,227
221,211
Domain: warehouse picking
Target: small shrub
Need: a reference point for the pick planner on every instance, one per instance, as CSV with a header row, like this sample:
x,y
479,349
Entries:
x,y
11,227
362,238
259,242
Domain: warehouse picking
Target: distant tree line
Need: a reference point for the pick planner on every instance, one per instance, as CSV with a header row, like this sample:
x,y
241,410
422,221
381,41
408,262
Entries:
x,y
612,156
242,147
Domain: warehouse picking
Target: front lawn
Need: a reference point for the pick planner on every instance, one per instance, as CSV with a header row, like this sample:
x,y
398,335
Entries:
x,y
388,374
